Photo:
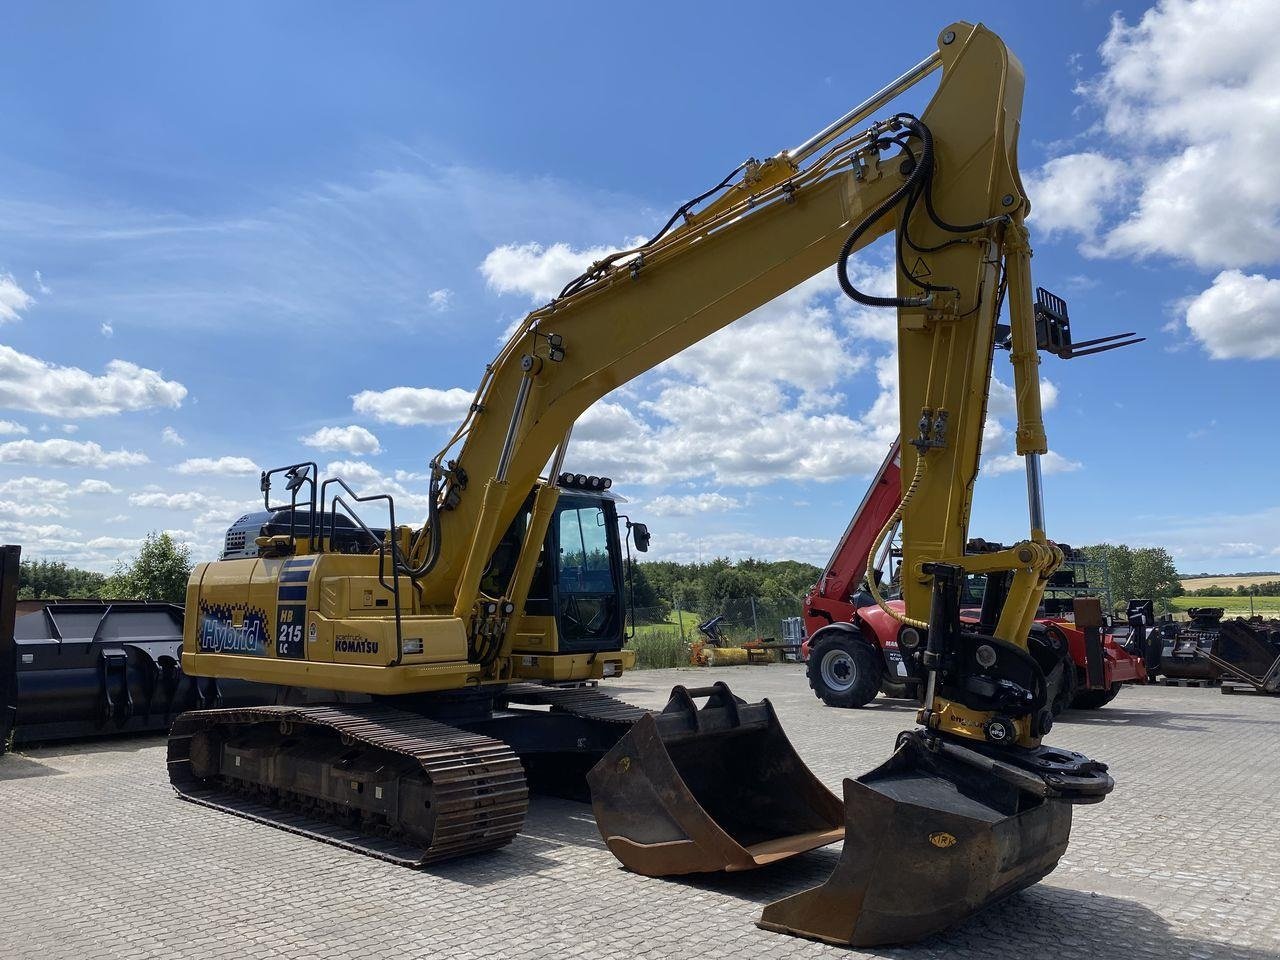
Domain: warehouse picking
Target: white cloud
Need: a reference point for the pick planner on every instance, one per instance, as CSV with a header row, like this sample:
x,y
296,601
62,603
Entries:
x,y
411,498
1238,316
29,511
669,505
1188,95
691,547
220,466
1068,193
172,437
70,427
871,323
113,543
350,439
40,284
38,490
67,453
28,383
107,330
8,428
1050,463
165,501
13,299
535,271
95,486
409,406
440,300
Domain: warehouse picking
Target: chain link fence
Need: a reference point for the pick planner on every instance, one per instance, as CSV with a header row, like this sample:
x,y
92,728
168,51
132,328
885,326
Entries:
x,y
665,635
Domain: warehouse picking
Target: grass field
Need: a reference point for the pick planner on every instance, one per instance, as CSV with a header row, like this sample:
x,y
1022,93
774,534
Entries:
x,y
659,645
1199,583
1235,606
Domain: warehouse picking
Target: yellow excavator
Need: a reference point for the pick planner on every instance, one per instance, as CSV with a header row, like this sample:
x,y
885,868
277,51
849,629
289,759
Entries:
x,y
429,679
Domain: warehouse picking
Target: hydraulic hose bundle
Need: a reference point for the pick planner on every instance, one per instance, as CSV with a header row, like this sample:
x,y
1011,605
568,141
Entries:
x,y
919,183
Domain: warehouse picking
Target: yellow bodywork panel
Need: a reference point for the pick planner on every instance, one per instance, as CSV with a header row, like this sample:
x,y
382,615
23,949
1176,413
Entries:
x,y
326,621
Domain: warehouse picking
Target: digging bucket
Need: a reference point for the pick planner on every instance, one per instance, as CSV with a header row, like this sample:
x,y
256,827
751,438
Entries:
x,y
929,840
697,790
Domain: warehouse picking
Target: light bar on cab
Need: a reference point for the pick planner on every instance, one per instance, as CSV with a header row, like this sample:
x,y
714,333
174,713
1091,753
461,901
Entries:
x,y
581,481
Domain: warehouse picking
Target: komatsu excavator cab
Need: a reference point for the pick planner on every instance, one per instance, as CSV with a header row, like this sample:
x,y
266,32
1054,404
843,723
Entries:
x,y
580,579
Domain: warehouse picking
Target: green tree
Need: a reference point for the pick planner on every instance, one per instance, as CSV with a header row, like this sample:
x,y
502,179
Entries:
x,y
54,580
160,571
1138,572
648,606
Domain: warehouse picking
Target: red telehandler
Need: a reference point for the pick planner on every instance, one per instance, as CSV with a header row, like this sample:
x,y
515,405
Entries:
x,y
853,650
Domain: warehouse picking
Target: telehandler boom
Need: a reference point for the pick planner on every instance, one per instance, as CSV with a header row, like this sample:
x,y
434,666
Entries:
x,y
410,725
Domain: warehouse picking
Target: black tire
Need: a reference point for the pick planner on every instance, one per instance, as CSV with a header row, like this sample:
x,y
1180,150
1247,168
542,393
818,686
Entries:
x,y
844,670
1049,647
1095,699
896,691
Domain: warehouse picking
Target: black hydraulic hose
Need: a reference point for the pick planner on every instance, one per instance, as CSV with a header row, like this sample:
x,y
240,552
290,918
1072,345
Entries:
x,y
919,181
433,523
917,176
597,269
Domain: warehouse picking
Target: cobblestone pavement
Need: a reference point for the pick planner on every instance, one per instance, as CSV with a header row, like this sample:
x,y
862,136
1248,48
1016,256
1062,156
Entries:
x,y
99,859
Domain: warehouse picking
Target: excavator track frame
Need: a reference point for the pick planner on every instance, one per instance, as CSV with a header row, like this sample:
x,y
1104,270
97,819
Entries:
x,y
477,783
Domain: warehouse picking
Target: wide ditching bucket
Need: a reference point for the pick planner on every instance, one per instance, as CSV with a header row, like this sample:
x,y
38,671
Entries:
x,y
698,790
929,840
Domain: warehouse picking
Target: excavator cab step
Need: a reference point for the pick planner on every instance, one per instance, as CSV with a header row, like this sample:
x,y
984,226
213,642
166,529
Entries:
x,y
703,789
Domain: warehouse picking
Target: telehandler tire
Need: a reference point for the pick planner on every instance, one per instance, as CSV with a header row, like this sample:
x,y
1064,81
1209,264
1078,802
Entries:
x,y
844,670
1095,699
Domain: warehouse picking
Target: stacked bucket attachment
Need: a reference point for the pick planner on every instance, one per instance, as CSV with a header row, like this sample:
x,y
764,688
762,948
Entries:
x,y
699,790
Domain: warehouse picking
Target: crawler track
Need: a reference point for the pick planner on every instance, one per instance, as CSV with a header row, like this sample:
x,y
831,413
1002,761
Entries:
x,y
373,779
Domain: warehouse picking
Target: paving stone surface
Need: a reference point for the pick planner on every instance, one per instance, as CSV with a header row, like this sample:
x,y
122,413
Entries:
x,y
98,859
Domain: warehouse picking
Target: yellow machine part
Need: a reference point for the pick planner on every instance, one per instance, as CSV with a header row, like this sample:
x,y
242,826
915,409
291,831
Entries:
x,y
326,622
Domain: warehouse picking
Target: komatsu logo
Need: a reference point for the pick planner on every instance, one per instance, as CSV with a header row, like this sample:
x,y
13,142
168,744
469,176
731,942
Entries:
x,y
218,635
354,645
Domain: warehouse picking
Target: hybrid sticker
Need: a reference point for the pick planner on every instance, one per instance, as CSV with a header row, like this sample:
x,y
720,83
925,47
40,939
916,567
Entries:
x,y
218,634
289,631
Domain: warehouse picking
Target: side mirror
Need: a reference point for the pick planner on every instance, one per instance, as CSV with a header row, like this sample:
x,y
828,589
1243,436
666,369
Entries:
x,y
640,534
297,477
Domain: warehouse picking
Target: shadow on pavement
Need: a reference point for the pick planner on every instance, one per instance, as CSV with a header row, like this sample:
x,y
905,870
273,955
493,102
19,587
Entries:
x,y
1162,719
16,767
1042,921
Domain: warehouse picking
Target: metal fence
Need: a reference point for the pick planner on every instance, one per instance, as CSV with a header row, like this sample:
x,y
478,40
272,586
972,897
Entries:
x,y
664,635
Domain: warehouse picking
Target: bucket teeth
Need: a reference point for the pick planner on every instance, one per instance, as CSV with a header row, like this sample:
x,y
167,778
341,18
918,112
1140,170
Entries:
x,y
698,790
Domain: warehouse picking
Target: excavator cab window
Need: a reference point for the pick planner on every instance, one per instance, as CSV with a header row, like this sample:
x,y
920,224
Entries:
x,y
588,575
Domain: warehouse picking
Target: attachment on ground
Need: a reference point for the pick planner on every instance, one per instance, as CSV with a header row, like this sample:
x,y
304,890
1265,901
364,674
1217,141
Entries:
x,y
936,833
697,790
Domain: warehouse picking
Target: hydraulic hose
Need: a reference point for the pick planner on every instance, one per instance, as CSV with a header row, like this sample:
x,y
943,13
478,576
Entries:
x,y
875,549
433,524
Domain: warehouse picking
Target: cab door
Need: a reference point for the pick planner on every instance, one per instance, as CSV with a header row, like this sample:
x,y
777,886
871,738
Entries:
x,y
587,588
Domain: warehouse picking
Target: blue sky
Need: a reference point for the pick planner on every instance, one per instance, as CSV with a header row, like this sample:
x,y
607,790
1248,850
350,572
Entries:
x,y
227,233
